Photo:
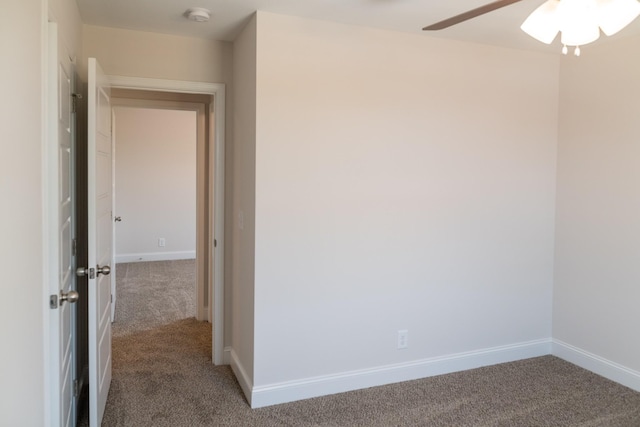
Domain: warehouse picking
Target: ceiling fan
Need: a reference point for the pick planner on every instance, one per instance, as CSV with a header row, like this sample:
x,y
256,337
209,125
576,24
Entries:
x,y
469,15
578,21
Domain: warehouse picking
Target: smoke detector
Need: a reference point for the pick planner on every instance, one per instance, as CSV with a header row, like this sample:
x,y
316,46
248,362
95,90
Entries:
x,y
198,14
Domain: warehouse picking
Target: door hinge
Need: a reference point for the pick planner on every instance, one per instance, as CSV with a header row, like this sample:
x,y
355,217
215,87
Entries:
x,y
53,301
74,247
76,388
74,101
111,298
215,243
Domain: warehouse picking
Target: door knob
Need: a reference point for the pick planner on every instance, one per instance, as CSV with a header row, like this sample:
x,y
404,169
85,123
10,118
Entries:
x,y
70,297
83,271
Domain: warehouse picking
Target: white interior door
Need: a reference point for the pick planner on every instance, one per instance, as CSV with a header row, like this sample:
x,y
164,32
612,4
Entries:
x,y
61,230
100,225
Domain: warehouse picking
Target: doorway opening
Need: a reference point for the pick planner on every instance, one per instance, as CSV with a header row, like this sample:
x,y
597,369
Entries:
x,y
155,198
210,208
160,182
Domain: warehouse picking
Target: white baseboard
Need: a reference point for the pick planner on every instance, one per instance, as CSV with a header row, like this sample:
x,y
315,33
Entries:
x,y
241,375
272,394
226,356
596,364
155,256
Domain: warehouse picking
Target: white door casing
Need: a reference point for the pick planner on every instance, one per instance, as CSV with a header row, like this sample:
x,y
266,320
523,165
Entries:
x,y
220,355
100,224
60,207
112,275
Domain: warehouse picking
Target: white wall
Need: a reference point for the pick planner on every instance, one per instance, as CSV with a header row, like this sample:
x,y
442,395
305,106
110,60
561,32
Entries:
x,y
21,190
152,55
402,182
66,14
243,205
155,184
597,259
23,319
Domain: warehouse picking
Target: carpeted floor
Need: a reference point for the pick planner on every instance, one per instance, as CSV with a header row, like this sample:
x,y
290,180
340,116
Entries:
x,y
163,376
151,294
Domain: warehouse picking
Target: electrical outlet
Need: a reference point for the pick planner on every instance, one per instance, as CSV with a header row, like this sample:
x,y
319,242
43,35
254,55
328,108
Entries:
x,y
403,339
162,242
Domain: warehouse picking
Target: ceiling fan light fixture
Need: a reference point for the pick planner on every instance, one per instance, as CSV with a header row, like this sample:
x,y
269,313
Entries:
x,y
579,21
614,15
579,35
542,24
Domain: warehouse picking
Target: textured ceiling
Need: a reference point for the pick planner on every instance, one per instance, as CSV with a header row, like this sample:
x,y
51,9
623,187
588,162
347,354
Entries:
x,y
500,27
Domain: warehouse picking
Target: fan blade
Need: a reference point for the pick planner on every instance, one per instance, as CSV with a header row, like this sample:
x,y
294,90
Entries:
x,y
469,14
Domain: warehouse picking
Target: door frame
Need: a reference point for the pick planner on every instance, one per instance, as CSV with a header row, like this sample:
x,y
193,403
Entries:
x,y
215,242
202,310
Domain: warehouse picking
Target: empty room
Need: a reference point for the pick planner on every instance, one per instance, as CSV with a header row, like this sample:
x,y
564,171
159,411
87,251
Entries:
x,y
412,227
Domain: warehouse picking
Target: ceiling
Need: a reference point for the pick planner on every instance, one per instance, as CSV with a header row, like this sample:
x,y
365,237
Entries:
x,y
500,27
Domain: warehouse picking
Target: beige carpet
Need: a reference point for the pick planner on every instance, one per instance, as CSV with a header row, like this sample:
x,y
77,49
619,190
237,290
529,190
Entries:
x,y
163,376
151,294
